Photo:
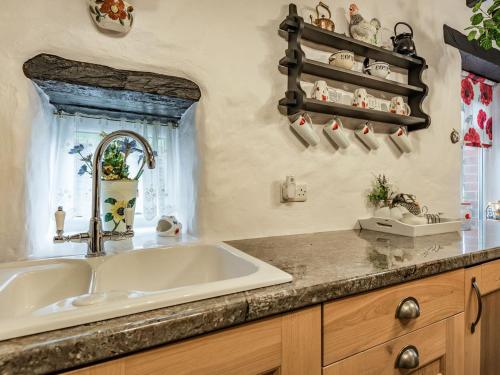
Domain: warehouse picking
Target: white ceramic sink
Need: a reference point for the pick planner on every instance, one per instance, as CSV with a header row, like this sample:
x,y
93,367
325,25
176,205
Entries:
x,y
38,296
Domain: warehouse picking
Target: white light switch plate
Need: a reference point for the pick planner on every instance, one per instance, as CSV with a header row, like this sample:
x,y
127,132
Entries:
x,y
300,195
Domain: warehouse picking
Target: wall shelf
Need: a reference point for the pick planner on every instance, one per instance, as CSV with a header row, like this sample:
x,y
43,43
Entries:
x,y
350,76
297,64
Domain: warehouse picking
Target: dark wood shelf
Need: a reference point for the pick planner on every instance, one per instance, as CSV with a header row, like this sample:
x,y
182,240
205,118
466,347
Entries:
x,y
297,64
360,79
340,41
313,105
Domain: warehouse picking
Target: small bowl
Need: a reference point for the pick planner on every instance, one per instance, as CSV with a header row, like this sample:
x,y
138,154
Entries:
x,y
342,59
378,69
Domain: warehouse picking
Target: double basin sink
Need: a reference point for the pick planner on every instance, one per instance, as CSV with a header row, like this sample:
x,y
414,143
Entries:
x,y
43,295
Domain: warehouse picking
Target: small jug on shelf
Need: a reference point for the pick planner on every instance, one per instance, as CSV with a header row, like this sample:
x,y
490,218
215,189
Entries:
x,y
321,21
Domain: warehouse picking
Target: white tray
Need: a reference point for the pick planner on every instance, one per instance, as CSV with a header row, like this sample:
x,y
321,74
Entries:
x,y
393,226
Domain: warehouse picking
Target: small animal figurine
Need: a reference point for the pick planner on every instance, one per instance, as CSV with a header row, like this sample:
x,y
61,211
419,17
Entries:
x,y
360,29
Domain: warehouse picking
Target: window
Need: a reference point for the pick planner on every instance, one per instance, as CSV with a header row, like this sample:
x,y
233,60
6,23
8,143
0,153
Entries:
x,y
157,188
478,153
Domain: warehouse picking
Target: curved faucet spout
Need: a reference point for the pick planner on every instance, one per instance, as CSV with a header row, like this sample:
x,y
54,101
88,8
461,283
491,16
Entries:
x,y
96,242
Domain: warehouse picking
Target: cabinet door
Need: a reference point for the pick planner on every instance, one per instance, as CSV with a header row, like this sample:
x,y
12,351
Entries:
x,y
287,345
482,326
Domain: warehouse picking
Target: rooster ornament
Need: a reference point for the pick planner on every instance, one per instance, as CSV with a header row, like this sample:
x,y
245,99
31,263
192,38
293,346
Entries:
x,y
361,29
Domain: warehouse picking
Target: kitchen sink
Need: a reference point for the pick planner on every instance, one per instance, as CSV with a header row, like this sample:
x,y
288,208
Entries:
x,y
43,295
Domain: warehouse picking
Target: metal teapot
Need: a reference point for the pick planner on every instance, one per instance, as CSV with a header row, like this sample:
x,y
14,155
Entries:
x,y
322,22
403,43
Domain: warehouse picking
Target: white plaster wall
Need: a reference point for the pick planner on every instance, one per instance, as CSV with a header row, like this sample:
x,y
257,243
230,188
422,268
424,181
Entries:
x,y
231,49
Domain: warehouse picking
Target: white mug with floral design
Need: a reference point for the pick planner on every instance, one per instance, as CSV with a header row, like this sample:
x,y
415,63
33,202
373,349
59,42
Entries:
x,y
303,127
399,106
360,98
320,91
113,15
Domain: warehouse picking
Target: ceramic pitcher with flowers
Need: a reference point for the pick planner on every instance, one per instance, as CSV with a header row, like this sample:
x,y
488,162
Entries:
x,y
113,15
118,188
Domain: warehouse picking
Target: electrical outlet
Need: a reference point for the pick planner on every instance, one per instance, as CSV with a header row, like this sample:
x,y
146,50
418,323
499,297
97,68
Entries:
x,y
300,194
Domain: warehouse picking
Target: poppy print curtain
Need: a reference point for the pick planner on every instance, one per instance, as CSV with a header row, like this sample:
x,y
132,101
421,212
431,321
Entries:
x,y
477,123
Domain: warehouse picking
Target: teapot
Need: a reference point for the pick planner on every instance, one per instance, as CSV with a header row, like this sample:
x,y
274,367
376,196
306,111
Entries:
x,y
403,43
322,22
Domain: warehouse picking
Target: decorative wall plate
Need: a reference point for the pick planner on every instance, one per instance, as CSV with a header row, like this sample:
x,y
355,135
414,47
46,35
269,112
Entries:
x,y
114,15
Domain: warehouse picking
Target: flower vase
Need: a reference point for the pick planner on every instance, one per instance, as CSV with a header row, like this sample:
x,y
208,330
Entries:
x,y
113,15
116,196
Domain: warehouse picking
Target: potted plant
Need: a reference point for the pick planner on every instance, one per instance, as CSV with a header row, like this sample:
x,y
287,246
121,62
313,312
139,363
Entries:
x,y
118,189
380,196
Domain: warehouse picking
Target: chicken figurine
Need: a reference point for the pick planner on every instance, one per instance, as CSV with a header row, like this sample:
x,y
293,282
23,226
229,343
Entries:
x,y
361,29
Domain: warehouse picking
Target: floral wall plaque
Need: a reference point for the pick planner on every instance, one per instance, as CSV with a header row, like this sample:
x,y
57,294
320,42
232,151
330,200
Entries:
x,y
114,15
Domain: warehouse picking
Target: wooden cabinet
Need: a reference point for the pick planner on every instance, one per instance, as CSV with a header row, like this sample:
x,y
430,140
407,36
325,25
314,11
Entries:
x,y
289,344
482,319
362,334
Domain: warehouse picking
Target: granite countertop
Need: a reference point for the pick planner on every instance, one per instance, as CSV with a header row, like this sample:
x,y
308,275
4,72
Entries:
x,y
325,266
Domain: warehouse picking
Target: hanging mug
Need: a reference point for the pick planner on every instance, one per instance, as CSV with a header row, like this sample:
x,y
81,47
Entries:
x,y
367,136
399,107
360,98
334,129
303,127
320,91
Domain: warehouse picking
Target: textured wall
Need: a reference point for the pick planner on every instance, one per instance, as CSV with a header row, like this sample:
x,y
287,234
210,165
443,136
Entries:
x,y
231,49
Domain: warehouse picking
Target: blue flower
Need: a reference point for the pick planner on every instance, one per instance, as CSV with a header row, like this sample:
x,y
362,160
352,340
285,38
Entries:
x,y
127,145
83,170
77,149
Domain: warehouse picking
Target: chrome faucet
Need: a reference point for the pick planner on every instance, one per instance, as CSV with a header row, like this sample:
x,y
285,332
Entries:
x,y
96,236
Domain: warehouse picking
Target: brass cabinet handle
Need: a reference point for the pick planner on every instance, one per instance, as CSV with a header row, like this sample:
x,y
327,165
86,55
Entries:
x,y
408,309
479,305
408,358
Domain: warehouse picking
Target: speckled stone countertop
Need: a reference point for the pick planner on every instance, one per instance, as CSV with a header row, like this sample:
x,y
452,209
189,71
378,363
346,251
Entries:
x,y
324,266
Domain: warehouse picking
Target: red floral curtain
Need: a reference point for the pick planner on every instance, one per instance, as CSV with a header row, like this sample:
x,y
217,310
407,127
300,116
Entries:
x,y
477,123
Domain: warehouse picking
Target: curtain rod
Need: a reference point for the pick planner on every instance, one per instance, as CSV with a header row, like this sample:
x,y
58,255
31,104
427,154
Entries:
x,y
61,113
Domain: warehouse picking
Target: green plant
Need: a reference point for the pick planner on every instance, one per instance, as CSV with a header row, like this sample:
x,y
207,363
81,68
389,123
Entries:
x,y
114,161
381,191
485,24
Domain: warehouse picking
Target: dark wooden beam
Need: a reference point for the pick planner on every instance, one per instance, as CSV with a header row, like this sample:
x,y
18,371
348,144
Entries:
x,y
475,59
75,86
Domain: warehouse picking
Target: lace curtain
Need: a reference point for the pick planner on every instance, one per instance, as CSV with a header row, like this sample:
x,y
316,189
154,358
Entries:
x,y
157,188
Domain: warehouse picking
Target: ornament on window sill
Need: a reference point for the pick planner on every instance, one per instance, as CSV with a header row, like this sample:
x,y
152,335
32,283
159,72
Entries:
x,y
113,15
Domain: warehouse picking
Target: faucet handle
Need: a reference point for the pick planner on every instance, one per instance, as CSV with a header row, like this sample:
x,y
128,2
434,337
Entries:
x,y
60,216
129,217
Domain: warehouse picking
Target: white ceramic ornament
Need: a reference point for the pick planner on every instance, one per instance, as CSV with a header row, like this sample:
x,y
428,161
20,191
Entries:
x,y
113,15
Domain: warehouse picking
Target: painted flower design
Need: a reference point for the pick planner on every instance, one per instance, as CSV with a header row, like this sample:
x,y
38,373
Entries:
x,y
489,128
481,118
472,138
486,93
115,9
116,213
467,91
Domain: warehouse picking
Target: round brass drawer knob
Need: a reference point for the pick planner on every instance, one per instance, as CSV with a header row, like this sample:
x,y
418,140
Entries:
x,y
408,309
408,358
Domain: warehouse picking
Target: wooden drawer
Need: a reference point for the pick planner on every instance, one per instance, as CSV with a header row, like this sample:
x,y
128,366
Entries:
x,y
358,323
439,346
490,277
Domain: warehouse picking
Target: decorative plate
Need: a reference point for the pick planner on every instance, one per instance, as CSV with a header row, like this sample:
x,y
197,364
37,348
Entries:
x,y
114,15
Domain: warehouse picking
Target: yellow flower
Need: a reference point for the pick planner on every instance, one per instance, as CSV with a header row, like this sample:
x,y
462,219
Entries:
x,y
118,211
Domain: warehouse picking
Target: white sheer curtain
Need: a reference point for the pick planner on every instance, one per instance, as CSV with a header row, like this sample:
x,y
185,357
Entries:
x,y
158,188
